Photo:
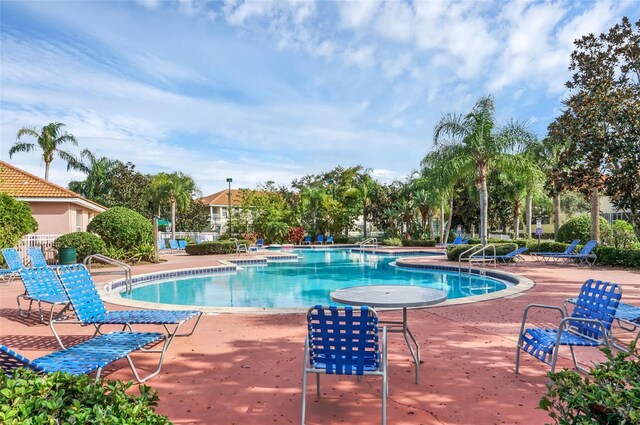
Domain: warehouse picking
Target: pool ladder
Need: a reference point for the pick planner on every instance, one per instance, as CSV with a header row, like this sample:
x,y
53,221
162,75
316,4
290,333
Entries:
x,y
369,242
477,249
126,270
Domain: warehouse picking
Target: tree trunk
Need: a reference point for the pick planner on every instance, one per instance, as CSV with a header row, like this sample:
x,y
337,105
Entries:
x,y
516,220
442,232
529,213
556,214
595,215
46,170
484,208
173,218
450,219
430,222
364,219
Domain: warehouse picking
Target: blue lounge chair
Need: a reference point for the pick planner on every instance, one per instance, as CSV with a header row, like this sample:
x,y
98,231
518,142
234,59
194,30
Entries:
x,y
89,356
320,239
42,285
506,258
306,240
37,259
182,244
162,244
329,240
588,326
90,309
344,341
549,256
173,244
459,240
259,244
14,262
585,256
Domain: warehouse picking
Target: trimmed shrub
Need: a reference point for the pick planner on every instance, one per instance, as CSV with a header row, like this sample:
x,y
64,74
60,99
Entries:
x,y
453,252
15,221
28,397
579,227
344,239
546,246
217,247
122,228
85,244
623,234
392,242
520,242
418,242
618,257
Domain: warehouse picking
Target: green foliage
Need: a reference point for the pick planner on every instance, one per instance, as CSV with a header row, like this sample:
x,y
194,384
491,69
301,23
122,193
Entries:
x,y
85,244
129,189
392,242
28,397
15,221
546,246
608,394
579,227
139,253
122,228
453,252
418,242
217,247
619,257
194,219
623,234
97,184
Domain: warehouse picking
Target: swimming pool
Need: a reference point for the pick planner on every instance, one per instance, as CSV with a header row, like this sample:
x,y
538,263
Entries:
x,y
304,283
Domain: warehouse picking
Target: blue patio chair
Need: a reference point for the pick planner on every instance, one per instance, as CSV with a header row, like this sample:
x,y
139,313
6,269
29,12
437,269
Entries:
x,y
14,262
173,244
506,258
37,259
162,244
87,357
344,341
459,240
90,309
42,285
588,326
240,247
320,239
306,240
260,244
329,240
585,256
182,244
548,256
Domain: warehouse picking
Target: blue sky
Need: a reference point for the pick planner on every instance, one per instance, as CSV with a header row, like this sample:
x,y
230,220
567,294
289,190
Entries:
x,y
274,90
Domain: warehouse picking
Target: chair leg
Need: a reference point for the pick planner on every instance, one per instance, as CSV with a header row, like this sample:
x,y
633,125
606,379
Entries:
x,y
304,380
318,384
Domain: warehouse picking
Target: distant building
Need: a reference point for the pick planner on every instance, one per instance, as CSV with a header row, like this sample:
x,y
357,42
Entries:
x,y
56,209
218,204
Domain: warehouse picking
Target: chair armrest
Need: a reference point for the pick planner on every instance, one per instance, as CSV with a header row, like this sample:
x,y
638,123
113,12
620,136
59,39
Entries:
x,y
540,306
563,323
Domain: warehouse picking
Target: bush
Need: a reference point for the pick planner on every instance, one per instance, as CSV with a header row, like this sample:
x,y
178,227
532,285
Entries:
x,y
418,242
392,242
520,242
623,234
122,228
546,246
85,244
453,252
217,247
16,221
618,257
296,234
609,394
28,397
579,227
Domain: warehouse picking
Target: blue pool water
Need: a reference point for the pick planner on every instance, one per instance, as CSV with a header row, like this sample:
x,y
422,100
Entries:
x,y
305,283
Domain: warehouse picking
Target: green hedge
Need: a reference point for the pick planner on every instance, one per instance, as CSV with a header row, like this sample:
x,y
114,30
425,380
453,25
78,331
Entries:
x,y
619,257
520,242
122,228
579,227
418,242
217,247
546,246
85,244
28,397
453,252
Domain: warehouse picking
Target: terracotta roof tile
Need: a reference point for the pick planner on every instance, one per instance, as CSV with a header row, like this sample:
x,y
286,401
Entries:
x,y
20,184
221,198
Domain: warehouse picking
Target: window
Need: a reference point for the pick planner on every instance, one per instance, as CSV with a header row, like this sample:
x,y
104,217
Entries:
x,y
79,221
223,212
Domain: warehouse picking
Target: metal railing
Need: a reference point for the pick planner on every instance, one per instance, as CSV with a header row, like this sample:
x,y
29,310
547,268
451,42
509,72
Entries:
x,y
369,242
103,258
471,257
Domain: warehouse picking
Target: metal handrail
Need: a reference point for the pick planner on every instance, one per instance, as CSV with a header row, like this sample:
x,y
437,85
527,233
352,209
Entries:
x,y
114,262
369,242
482,258
465,252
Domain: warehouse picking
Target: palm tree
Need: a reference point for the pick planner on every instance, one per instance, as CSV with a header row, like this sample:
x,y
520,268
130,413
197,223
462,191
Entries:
x,y
96,186
49,140
441,179
176,188
312,199
470,143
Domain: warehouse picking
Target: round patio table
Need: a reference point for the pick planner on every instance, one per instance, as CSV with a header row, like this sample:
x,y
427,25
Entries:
x,y
393,296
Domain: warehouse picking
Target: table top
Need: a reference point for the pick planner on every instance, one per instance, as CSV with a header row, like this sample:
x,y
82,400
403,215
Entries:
x,y
389,296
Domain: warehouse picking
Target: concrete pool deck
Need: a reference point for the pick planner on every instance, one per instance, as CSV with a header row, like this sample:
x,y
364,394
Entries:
x,y
246,368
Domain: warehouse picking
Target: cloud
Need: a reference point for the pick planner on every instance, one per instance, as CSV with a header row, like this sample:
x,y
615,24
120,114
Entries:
x,y
360,56
357,13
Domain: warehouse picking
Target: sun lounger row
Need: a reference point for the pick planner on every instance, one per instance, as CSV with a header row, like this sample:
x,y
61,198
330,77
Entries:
x,y
319,240
584,256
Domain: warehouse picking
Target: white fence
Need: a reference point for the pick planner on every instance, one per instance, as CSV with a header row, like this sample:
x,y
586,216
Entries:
x,y
43,241
194,236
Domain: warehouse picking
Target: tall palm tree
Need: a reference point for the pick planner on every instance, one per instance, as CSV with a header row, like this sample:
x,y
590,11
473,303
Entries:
x,y
470,142
312,200
49,140
442,180
175,188
96,186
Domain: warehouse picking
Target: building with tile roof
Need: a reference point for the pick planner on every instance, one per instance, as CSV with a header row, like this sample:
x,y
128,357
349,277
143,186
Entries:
x,y
218,204
56,209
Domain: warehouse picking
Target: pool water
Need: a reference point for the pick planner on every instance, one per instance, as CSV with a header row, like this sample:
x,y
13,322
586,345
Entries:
x,y
305,283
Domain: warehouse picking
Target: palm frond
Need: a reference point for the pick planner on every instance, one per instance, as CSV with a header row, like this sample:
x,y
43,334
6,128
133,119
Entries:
x,y
21,147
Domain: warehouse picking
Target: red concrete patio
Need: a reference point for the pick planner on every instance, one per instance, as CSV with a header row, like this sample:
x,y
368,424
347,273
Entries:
x,y
246,369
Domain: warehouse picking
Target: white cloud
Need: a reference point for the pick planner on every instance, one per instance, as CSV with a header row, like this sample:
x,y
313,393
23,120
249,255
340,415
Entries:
x,y
150,4
357,13
361,56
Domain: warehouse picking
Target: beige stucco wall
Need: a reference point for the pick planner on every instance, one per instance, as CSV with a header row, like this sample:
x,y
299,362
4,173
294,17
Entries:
x,y
60,217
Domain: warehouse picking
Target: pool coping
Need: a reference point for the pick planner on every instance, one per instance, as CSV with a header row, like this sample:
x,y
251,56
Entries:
x,y
518,285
